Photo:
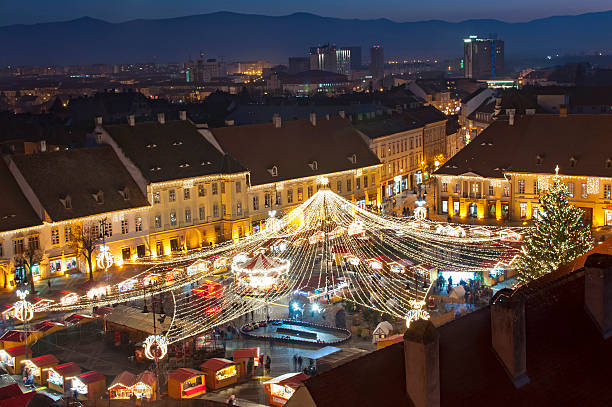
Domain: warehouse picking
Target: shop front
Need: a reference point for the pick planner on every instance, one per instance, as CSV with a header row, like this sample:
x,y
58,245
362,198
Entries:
x,y
219,373
59,378
89,385
11,359
40,367
184,383
281,388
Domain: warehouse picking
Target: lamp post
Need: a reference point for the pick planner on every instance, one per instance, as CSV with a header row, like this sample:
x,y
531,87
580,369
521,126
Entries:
x,y
24,312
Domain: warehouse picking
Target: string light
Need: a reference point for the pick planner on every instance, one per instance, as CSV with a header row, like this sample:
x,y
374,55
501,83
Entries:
x,y
24,310
155,343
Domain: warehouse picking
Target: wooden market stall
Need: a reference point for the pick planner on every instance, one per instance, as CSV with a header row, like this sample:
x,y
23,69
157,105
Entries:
x,y
126,385
281,388
11,359
184,383
248,360
59,378
121,387
89,385
40,366
13,338
219,373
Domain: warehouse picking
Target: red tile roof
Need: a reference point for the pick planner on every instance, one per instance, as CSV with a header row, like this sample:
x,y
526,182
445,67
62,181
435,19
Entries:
x,y
216,364
91,377
68,369
45,361
182,374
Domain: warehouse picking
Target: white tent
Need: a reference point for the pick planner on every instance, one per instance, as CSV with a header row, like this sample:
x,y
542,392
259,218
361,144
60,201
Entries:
x,y
381,331
457,292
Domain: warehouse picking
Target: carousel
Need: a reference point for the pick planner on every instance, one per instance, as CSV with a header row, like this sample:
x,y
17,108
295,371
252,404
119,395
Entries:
x,y
260,274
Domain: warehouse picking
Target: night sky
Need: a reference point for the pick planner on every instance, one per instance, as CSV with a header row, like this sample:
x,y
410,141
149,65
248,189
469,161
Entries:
x,y
34,11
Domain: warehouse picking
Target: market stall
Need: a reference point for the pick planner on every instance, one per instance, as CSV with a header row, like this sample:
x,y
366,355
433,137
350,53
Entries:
x,y
281,388
11,359
248,360
60,376
89,385
121,387
127,385
184,383
219,373
40,366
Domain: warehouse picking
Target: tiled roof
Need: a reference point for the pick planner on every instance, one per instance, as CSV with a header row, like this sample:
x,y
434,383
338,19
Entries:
x,y
258,114
183,373
174,150
79,174
15,210
501,147
260,147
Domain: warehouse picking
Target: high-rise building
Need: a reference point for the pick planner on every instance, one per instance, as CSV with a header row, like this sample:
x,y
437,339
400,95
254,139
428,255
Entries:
x,y
483,57
355,57
377,64
204,70
298,64
330,59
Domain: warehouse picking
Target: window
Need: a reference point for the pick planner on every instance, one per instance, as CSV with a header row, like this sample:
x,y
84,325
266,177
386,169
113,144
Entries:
x,y
536,190
267,200
33,242
223,212
223,187
202,213
188,215
357,183
300,194
255,203
173,218
365,181
535,211
215,210
457,187
521,186
186,194
124,227
339,187
238,187
67,234
201,190
444,187
158,221
523,207
279,198
506,190
55,239
349,186
107,228
18,246
1,250
290,196
156,198
607,191
138,224
215,188
239,208
95,230
126,253
310,191
444,206
491,190
171,195
570,189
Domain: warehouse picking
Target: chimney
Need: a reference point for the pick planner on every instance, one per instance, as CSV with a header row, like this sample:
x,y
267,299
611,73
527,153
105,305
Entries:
x,y
508,334
563,110
313,119
131,120
161,118
511,113
276,119
422,363
598,291
342,114
182,115
98,121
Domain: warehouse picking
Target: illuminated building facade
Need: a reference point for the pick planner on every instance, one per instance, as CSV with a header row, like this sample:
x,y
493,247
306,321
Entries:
x,y
483,58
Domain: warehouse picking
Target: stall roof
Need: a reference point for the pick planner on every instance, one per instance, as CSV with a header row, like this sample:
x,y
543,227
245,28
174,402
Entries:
x,y
215,364
16,351
9,391
319,353
246,353
20,400
91,377
47,325
292,379
14,336
68,369
125,379
183,373
134,318
146,377
44,361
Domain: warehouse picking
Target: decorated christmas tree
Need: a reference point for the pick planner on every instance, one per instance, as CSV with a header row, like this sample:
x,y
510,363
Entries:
x,y
558,237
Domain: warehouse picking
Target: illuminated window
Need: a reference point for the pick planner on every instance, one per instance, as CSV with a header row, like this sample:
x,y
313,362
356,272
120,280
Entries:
x,y
138,224
523,207
300,194
607,191
570,189
215,188
171,195
255,203
279,198
158,223
349,186
583,191
491,190
186,194
267,200
238,186
202,213
173,218
156,198
215,210
201,190
444,187
55,237
506,190
67,234
521,186
188,215
124,227
339,187
536,190
238,208
290,196
310,191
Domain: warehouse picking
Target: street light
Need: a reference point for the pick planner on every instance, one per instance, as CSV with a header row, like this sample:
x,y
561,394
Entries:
x,y
24,312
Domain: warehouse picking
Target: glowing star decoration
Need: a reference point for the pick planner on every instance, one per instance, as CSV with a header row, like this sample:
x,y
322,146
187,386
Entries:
x,y
417,312
104,259
324,181
155,343
420,211
272,224
24,310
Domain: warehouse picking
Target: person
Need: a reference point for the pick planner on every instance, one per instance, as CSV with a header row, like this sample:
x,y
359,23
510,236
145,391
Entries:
x,y
299,360
49,282
268,363
450,281
295,359
230,400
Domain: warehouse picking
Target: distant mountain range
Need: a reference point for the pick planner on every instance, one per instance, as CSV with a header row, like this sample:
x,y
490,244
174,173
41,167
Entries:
x,y
248,37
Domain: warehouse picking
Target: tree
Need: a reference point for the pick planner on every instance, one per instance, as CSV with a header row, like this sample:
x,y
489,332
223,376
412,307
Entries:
x,y
85,240
559,235
28,258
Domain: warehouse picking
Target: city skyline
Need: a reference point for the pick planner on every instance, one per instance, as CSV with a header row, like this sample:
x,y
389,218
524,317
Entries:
x,y
120,11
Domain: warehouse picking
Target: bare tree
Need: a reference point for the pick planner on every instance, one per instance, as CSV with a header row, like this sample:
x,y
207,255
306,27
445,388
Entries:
x,y
85,240
28,258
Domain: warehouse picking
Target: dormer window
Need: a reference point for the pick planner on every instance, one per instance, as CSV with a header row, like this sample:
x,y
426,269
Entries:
x,y
573,161
314,166
151,145
66,201
98,197
205,163
177,143
609,163
125,193
154,168
352,159
539,159
273,171
184,165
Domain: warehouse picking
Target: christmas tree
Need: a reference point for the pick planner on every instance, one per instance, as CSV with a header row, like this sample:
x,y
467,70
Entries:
x,y
559,235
